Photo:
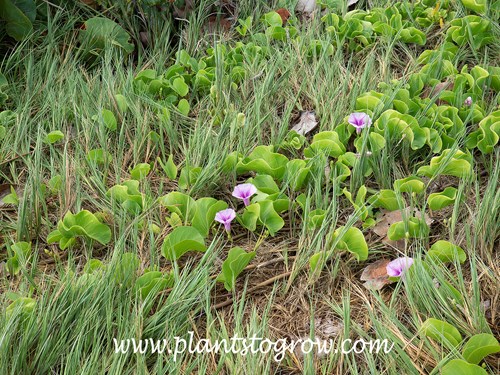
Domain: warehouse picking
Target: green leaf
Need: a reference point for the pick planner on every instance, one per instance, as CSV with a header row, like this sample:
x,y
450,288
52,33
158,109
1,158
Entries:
x,y
55,183
153,281
370,102
188,177
99,156
480,346
54,136
146,75
273,19
183,107
24,305
234,264
296,174
22,251
169,167
18,24
11,198
328,143
109,119
3,81
140,171
121,102
264,183
353,241
411,184
460,367
264,161
128,195
83,224
317,261
269,217
93,266
126,268
179,203
315,218
442,332
180,241
449,164
101,33
205,210
446,252
437,201
478,6
250,217
412,35
179,86
487,136
385,198
413,227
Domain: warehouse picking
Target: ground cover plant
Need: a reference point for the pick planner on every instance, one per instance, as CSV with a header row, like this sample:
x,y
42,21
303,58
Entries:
x,y
281,169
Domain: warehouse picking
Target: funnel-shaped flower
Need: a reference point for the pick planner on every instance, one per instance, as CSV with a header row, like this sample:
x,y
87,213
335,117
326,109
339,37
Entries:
x,y
468,101
359,120
398,266
244,191
225,217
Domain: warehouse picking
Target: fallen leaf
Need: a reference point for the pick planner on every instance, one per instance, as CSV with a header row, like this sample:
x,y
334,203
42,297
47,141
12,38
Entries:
x,y
183,12
306,6
307,122
90,3
284,14
375,275
387,219
431,92
143,36
215,24
485,306
390,217
327,328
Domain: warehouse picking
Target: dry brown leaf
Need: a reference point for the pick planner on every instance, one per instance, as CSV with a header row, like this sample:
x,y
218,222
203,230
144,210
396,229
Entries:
x,y
390,217
375,275
183,12
90,3
284,14
217,24
431,92
143,36
307,122
327,328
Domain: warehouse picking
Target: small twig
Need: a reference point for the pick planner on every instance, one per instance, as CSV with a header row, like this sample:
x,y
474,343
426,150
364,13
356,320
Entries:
x,y
260,285
260,265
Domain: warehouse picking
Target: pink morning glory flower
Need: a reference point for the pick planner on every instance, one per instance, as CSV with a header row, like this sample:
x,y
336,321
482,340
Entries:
x,y
399,266
225,217
468,101
244,191
359,120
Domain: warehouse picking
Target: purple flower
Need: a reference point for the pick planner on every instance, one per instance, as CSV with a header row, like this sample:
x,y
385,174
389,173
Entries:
x,y
468,101
244,191
398,266
359,120
225,217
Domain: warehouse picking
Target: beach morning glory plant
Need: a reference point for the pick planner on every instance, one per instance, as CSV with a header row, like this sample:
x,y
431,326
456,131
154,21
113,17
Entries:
x,y
244,191
399,266
225,217
359,120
